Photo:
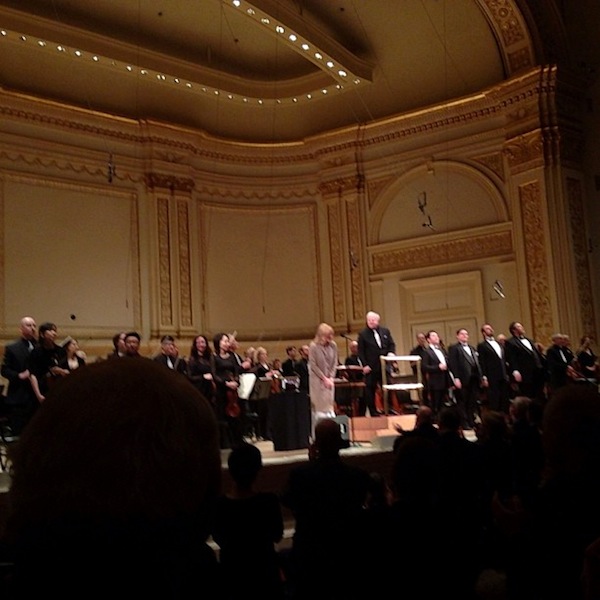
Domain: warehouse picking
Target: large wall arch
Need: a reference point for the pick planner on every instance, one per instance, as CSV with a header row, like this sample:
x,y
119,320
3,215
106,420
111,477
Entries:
x,y
458,197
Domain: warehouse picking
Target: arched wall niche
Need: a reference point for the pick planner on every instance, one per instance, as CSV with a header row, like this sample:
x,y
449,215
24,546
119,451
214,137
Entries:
x,y
439,197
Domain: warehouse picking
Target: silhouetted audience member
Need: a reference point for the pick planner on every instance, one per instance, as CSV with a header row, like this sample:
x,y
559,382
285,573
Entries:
x,y
526,449
552,535
247,525
113,484
461,493
420,548
565,518
493,437
326,496
424,427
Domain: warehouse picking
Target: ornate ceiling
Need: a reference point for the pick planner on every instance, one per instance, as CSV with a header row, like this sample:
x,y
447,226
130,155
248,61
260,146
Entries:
x,y
270,70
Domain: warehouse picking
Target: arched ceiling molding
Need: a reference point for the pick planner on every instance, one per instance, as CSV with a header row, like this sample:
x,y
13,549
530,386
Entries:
x,y
408,189
512,33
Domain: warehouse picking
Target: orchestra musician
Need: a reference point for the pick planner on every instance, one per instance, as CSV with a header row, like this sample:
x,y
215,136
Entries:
x,y
225,371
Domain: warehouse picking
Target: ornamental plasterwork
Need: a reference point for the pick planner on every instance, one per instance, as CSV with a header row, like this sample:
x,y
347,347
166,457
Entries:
x,y
509,23
580,254
536,260
185,283
169,182
164,261
503,13
519,59
493,162
335,248
441,253
525,151
356,262
374,187
339,186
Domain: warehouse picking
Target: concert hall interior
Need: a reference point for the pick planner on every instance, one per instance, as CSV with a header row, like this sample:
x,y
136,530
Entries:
x,y
194,167
262,167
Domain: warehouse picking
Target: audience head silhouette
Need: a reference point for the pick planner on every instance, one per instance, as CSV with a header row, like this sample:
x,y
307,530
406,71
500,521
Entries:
x,y
244,463
113,483
328,438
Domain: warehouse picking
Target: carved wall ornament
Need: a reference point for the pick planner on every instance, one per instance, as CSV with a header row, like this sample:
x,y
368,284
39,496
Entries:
x,y
185,275
356,267
441,253
337,262
168,182
164,262
525,152
340,185
494,162
536,260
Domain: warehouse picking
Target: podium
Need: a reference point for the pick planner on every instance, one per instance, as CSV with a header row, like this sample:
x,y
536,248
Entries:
x,y
289,419
404,380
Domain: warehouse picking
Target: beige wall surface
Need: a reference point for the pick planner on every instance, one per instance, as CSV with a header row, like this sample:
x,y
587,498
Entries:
x,y
69,257
169,246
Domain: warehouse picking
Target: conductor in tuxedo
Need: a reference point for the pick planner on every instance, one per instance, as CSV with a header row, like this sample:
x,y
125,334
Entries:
x,y
373,341
20,400
466,374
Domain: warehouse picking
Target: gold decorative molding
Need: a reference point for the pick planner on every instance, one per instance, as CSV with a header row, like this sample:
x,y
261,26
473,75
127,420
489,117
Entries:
x,y
508,23
339,186
580,253
374,186
337,274
466,248
525,152
505,17
185,276
493,162
164,261
168,182
356,266
536,260
519,59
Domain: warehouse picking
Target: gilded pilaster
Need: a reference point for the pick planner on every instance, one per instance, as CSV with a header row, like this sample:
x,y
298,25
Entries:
x,y
336,263
185,278
536,260
174,251
164,262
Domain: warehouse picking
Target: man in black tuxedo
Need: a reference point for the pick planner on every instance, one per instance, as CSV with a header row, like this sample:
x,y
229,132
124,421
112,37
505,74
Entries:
x,y
20,400
494,374
435,371
374,341
466,377
526,364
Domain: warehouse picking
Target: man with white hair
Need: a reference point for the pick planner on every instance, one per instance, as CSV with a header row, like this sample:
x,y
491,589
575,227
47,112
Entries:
x,y
374,341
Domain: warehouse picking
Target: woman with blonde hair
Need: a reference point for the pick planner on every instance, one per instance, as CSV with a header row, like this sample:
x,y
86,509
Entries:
x,y
322,366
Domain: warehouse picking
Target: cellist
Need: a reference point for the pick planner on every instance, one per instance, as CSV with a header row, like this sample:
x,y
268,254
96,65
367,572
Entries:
x,y
225,370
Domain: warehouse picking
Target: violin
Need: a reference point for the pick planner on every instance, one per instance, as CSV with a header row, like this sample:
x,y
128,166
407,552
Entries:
x,y
232,407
